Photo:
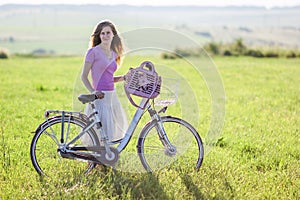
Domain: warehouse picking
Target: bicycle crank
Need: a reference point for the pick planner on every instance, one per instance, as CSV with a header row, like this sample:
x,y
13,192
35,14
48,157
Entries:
x,y
78,156
109,160
101,157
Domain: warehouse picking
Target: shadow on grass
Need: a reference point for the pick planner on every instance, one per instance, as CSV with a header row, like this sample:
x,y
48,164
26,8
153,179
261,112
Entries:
x,y
191,187
139,186
102,183
109,184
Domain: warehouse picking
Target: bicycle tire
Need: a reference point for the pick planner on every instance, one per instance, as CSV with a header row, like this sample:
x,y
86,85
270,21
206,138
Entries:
x,y
188,143
44,148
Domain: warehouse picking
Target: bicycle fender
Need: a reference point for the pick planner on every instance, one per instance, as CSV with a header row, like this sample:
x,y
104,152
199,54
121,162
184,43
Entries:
x,y
40,127
54,118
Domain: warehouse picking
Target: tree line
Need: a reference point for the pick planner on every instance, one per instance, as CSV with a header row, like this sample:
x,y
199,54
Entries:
x,y
236,48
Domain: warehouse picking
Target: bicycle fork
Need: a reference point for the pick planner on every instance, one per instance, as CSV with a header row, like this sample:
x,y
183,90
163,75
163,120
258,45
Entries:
x,y
170,149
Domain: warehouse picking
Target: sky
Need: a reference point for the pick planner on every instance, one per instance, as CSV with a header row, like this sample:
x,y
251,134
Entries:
x,y
264,3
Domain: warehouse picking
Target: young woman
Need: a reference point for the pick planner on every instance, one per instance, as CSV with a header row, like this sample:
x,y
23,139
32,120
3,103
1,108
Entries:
x,y
102,60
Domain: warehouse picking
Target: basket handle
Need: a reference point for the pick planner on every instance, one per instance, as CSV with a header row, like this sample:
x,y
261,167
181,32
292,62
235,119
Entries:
x,y
148,65
132,102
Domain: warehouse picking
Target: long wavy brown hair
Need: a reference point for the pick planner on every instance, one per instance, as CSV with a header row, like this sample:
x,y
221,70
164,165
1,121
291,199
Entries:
x,y
116,44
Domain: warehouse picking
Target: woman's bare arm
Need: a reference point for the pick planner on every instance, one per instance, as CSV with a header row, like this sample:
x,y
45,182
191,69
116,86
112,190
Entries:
x,y
119,78
84,76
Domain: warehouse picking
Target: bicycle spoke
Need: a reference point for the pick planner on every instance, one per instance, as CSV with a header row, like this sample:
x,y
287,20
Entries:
x,y
154,147
187,146
53,137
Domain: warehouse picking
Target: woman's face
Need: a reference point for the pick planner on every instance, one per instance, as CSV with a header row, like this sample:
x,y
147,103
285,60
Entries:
x,y
106,35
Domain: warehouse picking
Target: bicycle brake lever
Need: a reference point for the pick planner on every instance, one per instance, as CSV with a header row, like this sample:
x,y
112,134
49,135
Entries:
x,y
163,110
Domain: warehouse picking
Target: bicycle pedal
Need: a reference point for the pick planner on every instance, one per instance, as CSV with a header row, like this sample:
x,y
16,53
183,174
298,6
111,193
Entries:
x,y
109,161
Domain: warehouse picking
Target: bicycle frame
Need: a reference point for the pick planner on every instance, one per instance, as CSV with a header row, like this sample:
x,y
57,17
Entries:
x,y
134,122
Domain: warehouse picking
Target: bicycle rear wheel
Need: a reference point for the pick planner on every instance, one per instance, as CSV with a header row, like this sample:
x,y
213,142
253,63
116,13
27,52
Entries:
x,y
188,154
44,153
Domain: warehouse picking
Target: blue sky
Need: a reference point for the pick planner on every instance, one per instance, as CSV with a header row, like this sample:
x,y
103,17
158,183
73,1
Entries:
x,y
265,3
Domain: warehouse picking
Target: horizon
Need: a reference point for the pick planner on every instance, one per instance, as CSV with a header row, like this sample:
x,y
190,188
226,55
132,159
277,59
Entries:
x,y
157,3
50,26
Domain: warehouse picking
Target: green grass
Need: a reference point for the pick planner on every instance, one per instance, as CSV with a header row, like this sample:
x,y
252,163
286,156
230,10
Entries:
x,y
256,157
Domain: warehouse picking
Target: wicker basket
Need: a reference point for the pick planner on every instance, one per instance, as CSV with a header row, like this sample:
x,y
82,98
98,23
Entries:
x,y
142,82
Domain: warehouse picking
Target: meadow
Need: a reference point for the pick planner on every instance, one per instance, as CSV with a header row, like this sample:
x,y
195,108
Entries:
x,y
256,156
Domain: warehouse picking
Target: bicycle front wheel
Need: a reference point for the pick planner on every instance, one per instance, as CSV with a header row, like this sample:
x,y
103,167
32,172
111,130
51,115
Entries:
x,y
44,150
186,142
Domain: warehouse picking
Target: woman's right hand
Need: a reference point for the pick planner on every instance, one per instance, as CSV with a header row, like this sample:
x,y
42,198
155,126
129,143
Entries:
x,y
99,94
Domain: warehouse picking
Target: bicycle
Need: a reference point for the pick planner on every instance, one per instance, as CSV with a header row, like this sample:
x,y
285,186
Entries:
x,y
58,141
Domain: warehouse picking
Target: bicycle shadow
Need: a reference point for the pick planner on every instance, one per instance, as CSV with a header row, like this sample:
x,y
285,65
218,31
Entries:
x,y
191,187
125,185
147,186
140,186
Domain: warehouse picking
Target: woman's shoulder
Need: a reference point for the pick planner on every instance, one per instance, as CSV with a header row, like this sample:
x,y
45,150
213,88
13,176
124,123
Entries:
x,y
91,49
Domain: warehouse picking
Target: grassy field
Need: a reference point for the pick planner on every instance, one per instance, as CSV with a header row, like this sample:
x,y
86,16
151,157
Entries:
x,y
256,157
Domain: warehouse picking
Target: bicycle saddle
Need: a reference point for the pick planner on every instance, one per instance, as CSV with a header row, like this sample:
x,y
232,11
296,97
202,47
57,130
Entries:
x,y
87,98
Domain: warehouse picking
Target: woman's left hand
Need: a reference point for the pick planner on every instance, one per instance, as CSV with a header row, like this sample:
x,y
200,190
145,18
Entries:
x,y
99,94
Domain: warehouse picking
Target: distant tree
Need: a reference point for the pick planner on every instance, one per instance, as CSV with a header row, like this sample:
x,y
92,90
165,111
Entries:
x,y
254,53
4,53
166,55
271,54
291,54
213,47
183,52
227,53
239,47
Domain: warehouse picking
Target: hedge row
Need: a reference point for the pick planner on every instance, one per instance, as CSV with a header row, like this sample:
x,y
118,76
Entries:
x,y
237,48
